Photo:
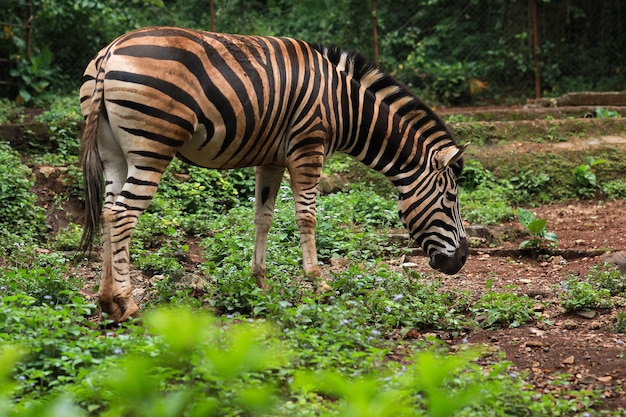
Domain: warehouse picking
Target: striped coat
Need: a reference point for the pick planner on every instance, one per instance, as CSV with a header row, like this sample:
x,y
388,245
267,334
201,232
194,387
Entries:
x,y
229,101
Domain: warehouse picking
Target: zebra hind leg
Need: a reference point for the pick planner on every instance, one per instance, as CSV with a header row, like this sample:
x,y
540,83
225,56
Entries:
x,y
268,179
119,217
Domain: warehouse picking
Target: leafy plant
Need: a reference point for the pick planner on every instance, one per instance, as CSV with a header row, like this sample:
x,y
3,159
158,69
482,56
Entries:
x,y
602,113
585,177
482,197
583,295
67,239
34,76
63,119
162,262
529,187
10,112
20,217
494,310
615,189
537,228
606,277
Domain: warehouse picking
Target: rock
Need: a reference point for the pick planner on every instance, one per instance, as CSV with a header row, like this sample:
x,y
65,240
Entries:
x,y
539,307
588,379
496,235
587,314
534,343
480,318
569,360
569,324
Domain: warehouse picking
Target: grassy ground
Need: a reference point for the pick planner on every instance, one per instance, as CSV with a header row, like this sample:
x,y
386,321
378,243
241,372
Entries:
x,y
211,343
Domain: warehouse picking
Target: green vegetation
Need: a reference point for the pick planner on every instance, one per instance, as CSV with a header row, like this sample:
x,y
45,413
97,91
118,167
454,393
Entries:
x,y
594,291
21,221
538,230
602,113
586,178
495,310
483,51
211,343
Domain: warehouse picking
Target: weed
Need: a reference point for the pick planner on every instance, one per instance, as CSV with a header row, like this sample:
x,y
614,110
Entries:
x,y
615,189
529,187
620,323
585,177
537,227
67,239
607,277
19,215
10,112
163,262
602,113
554,135
583,295
482,197
494,310
475,176
458,118
63,119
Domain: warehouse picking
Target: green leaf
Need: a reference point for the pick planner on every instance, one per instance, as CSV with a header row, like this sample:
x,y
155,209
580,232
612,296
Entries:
x,y
525,216
551,236
537,227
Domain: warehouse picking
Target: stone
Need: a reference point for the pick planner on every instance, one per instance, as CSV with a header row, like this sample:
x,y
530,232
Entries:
x,y
587,314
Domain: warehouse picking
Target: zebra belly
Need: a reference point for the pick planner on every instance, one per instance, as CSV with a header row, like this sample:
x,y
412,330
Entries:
x,y
205,151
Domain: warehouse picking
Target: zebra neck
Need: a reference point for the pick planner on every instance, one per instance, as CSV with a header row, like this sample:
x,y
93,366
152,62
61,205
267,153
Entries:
x,y
394,144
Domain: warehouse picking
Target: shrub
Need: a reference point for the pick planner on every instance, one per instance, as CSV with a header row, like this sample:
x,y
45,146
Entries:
x,y
582,295
20,217
495,310
615,189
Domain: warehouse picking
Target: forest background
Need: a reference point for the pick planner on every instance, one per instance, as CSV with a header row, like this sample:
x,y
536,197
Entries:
x,y
450,52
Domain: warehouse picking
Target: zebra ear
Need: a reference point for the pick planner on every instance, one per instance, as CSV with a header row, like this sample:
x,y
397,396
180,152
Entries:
x,y
449,155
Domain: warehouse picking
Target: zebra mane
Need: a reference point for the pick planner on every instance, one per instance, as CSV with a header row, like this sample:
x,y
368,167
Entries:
x,y
392,92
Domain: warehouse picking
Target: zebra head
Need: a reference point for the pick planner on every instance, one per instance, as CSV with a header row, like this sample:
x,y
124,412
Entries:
x,y
430,210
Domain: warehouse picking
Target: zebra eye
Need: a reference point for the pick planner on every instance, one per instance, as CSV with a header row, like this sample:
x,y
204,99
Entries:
x,y
440,182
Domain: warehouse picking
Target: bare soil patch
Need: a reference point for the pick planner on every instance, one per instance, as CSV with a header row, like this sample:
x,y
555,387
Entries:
x,y
582,346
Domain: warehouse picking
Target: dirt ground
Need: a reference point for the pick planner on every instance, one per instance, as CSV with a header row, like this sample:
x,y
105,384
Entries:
x,y
581,346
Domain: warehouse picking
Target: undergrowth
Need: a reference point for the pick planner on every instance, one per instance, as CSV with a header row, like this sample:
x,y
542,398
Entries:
x,y
212,343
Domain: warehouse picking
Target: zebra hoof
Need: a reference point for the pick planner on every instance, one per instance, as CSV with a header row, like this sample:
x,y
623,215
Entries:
x,y
120,310
323,287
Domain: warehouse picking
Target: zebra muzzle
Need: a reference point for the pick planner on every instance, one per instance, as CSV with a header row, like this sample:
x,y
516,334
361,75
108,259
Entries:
x,y
450,264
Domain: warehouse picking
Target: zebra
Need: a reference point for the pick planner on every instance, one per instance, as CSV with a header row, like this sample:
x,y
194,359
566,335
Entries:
x,y
226,101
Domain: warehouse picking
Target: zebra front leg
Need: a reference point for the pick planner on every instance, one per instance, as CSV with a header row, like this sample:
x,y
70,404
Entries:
x,y
268,179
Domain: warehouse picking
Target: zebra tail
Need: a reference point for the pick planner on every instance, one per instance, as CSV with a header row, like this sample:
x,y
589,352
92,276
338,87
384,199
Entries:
x,y
93,168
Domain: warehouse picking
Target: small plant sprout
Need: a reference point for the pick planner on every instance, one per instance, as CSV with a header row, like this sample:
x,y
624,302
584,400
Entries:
x,y
585,177
537,227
